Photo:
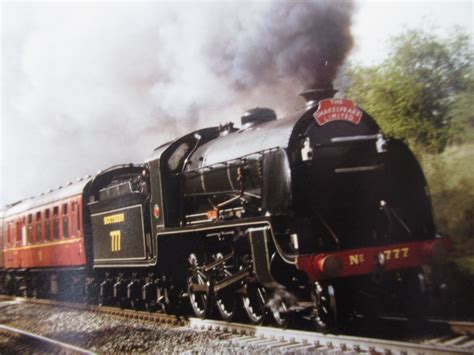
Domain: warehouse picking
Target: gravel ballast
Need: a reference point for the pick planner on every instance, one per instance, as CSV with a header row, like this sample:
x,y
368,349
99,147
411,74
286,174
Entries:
x,y
107,333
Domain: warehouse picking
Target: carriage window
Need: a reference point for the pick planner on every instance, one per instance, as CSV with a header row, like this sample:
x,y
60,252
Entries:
x,y
73,214
47,228
13,233
29,229
6,237
55,223
178,157
65,221
39,227
78,218
24,230
18,232
9,233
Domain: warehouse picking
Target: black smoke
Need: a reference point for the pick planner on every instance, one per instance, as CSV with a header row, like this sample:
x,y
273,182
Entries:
x,y
300,41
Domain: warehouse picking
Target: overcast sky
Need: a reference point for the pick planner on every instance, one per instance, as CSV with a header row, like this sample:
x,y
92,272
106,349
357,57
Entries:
x,y
376,21
65,114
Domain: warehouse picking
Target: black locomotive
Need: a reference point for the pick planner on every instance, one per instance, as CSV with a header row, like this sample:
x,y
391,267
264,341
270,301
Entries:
x,y
316,215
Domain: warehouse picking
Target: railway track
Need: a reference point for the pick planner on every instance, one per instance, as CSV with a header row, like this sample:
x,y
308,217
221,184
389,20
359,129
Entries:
x,y
268,339
114,311
274,339
17,341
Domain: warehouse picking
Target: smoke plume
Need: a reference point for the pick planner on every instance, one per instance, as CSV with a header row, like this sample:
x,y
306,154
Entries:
x,y
88,85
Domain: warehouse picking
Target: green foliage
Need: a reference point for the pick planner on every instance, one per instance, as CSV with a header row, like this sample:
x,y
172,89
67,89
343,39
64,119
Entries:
x,y
462,111
450,177
467,264
422,92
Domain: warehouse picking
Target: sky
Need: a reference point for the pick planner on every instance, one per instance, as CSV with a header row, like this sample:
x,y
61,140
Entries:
x,y
86,85
376,21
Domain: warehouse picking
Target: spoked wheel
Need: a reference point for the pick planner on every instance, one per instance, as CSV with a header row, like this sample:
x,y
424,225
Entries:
x,y
198,290
325,315
281,316
226,299
253,302
281,304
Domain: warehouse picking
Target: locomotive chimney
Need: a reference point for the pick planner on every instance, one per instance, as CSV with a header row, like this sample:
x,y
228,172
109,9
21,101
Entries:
x,y
319,93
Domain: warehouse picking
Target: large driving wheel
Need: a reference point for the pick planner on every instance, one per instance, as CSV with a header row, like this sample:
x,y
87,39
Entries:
x,y
225,298
325,314
198,289
253,302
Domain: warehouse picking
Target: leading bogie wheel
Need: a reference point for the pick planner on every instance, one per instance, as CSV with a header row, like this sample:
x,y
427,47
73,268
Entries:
x,y
281,316
325,313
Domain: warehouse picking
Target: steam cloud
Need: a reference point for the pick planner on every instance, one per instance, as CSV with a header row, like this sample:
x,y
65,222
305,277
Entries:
x,y
89,85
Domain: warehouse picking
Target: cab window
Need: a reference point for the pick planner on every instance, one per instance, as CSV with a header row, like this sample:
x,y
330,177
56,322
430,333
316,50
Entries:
x,y
177,157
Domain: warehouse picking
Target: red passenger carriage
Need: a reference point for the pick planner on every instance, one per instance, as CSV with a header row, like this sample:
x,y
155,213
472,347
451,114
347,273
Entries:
x,y
47,231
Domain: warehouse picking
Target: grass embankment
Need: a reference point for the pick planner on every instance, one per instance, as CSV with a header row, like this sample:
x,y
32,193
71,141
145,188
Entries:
x,y
466,264
450,177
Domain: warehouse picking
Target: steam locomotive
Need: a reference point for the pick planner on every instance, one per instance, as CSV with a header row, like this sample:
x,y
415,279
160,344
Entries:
x,y
316,215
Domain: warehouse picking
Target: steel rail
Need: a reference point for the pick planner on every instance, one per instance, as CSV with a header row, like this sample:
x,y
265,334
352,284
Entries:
x,y
297,340
42,343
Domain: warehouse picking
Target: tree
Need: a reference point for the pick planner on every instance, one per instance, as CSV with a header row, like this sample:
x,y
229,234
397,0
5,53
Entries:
x,y
422,92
